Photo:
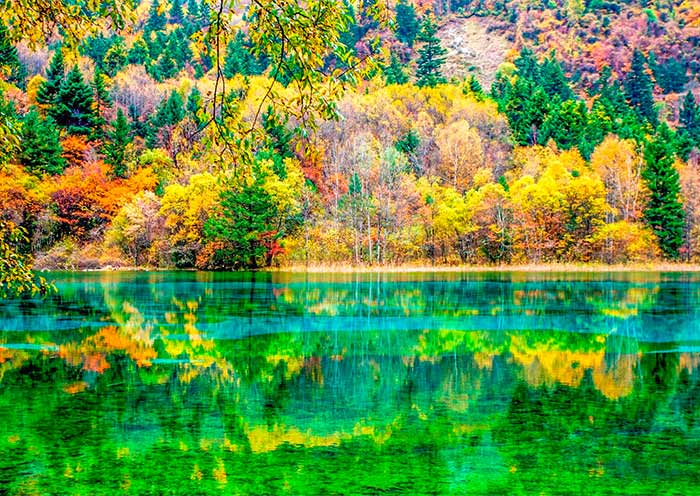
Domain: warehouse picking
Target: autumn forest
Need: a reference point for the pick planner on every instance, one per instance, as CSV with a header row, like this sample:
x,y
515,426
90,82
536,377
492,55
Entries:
x,y
179,136
344,247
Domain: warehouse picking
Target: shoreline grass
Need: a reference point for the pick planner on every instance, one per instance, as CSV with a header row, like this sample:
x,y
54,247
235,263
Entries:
x,y
406,268
545,267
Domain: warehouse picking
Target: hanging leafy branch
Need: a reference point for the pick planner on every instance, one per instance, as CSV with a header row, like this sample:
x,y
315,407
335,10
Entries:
x,y
36,21
16,276
310,66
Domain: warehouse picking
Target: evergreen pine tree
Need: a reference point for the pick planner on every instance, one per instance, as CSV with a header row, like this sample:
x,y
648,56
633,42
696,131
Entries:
x,y
279,136
40,148
349,36
115,148
612,93
47,92
204,13
473,87
671,76
193,12
243,224
527,65
156,17
139,54
689,118
164,69
639,89
172,50
394,72
96,47
688,126
239,59
74,109
173,111
553,79
194,106
156,42
430,55
9,61
182,46
169,113
407,25
176,15
526,108
138,127
565,124
408,145
103,100
664,211
115,58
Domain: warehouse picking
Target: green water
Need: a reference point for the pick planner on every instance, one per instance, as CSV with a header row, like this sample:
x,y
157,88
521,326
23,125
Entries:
x,y
504,383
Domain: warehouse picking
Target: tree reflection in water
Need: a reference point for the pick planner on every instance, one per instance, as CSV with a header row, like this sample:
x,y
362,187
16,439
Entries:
x,y
189,383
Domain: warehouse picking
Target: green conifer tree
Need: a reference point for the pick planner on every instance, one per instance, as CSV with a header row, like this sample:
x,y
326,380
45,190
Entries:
x,y
164,68
527,65
279,136
40,147
168,113
639,89
176,15
394,72
688,126
9,61
689,117
115,58
243,223
173,110
47,93
194,106
526,108
75,106
239,59
138,127
473,87
116,146
431,55
565,124
139,54
204,13
664,212
553,79
407,25
193,12
156,17
350,36
671,76
102,99
408,145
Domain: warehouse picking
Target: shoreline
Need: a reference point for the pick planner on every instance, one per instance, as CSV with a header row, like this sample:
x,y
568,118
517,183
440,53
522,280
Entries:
x,y
646,267
368,269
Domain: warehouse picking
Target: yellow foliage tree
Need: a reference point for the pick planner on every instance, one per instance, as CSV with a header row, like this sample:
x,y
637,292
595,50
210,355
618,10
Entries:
x,y
185,209
461,154
619,164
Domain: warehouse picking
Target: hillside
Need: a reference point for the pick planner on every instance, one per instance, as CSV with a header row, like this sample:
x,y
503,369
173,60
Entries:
x,y
490,133
472,50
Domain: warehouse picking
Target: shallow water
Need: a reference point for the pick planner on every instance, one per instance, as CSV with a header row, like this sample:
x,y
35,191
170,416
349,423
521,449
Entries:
x,y
446,383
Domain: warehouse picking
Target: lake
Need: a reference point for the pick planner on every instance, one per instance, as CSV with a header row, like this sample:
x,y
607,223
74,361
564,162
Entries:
x,y
286,383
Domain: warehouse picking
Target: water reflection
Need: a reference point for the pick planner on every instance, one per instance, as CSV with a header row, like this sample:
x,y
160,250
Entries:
x,y
191,383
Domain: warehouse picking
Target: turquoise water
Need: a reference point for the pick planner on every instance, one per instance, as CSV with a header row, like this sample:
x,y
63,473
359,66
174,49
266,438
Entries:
x,y
277,383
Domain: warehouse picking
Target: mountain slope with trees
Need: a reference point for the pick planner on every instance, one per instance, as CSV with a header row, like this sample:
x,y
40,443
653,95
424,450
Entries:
x,y
185,143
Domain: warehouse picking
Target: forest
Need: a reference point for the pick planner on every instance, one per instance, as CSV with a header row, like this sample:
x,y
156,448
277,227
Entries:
x,y
186,137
